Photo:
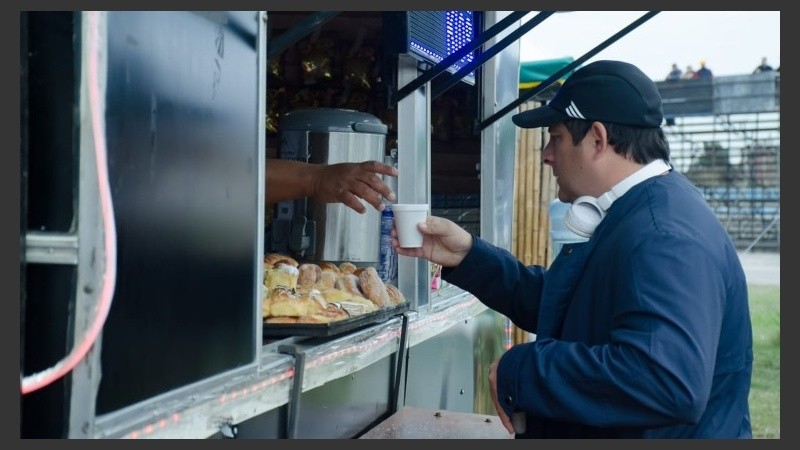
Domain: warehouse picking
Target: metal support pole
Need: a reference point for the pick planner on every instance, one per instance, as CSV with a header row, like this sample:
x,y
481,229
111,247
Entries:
x,y
293,407
557,75
488,54
433,72
299,31
414,182
401,356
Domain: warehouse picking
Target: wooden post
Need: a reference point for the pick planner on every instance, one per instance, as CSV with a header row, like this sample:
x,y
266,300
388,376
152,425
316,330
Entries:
x,y
517,237
534,189
534,199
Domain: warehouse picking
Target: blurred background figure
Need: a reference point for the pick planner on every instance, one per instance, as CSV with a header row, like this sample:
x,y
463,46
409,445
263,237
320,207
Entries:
x,y
763,67
689,74
675,73
704,73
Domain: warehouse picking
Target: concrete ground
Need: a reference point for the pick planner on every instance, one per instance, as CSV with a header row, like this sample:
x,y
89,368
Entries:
x,y
762,268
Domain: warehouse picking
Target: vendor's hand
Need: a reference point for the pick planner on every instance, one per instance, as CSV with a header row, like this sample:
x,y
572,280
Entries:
x,y
493,390
443,242
347,182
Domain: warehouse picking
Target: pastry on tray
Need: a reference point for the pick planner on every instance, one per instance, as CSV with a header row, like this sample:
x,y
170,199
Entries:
x,y
321,292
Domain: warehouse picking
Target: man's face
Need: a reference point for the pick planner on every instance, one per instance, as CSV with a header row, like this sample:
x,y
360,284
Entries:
x,y
568,161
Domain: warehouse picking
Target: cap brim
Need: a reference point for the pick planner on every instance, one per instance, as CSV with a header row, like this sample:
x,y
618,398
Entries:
x,y
543,116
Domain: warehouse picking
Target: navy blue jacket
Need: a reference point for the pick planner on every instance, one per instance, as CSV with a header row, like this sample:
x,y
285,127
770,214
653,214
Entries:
x,y
641,332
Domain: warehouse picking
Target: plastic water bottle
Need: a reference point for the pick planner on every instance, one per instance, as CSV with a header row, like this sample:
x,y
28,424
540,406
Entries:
x,y
387,259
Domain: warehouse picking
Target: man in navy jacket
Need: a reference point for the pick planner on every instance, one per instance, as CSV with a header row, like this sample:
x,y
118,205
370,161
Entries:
x,y
644,330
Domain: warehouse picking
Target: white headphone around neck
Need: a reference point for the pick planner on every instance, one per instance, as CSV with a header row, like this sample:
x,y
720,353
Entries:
x,y
587,212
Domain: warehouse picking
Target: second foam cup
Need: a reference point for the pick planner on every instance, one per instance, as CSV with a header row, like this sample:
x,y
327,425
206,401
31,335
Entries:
x,y
406,218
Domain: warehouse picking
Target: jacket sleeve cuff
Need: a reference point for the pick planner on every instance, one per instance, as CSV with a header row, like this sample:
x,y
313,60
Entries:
x,y
507,379
462,274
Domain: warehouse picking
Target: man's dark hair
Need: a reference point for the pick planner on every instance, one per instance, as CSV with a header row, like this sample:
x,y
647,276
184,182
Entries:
x,y
641,144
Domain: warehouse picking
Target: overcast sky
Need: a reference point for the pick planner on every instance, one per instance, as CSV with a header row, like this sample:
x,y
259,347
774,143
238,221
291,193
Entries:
x,y
731,42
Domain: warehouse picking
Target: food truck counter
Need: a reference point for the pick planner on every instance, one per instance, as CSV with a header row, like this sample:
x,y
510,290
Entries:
x,y
289,367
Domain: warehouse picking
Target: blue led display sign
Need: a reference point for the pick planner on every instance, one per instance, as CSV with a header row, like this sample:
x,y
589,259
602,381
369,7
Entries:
x,y
435,35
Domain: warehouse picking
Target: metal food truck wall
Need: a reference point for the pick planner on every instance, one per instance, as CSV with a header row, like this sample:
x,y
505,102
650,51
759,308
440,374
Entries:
x,y
182,352
182,133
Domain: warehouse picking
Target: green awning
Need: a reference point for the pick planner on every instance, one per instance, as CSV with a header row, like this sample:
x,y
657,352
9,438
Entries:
x,y
532,73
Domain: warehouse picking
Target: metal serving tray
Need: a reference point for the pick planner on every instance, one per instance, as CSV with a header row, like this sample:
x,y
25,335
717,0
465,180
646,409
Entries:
x,y
275,330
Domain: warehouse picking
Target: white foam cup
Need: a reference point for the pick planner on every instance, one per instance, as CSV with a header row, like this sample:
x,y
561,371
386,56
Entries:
x,y
406,218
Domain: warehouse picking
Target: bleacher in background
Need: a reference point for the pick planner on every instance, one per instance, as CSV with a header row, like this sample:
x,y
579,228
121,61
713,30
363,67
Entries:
x,y
724,134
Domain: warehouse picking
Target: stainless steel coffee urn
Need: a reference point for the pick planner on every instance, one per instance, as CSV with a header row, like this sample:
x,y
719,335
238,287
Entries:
x,y
328,232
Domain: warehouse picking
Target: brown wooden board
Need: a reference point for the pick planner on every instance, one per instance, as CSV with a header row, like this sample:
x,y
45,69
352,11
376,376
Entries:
x,y
274,330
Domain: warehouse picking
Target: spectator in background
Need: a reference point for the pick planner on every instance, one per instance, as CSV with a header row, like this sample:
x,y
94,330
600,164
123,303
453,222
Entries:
x,y
703,73
763,67
675,73
689,74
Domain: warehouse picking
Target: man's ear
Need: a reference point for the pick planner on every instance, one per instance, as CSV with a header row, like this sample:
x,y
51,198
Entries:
x,y
599,136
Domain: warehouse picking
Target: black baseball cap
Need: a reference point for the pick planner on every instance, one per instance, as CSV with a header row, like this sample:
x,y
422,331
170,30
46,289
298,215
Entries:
x,y
605,91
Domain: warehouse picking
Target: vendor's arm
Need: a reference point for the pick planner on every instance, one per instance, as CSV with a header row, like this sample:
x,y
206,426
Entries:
x,y
329,183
